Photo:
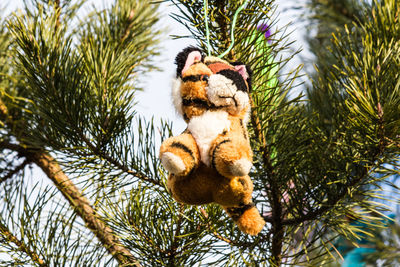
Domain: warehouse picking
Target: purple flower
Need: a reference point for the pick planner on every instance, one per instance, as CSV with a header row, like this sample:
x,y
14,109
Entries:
x,y
267,31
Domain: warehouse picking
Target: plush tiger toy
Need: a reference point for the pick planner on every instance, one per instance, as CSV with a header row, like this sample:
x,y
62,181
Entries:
x,y
211,159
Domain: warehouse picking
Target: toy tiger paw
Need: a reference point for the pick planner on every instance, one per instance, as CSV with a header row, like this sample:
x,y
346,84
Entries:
x,y
211,159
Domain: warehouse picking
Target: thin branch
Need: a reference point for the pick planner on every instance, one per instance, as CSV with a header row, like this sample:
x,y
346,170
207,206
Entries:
x,y
21,245
214,232
15,171
313,215
172,252
116,163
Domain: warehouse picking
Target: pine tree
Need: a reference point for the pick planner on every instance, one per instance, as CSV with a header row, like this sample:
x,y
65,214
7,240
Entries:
x,y
67,106
327,18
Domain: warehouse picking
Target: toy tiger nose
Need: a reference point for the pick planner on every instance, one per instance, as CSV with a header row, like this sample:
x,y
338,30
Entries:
x,y
210,161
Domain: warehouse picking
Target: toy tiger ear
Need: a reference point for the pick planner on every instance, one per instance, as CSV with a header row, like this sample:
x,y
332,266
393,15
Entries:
x,y
186,58
244,71
191,58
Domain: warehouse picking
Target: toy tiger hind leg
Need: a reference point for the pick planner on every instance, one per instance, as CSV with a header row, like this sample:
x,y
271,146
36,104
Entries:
x,y
230,153
234,195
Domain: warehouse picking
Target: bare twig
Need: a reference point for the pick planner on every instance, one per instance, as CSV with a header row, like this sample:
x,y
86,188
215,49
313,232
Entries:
x,y
15,171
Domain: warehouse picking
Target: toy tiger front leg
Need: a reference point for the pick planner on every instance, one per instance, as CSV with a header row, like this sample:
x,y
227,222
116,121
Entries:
x,y
230,153
179,154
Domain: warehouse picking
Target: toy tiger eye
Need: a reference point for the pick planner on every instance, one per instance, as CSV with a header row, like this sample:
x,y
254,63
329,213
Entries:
x,y
210,161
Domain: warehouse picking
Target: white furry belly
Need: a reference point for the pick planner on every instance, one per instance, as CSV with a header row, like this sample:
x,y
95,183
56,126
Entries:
x,y
205,128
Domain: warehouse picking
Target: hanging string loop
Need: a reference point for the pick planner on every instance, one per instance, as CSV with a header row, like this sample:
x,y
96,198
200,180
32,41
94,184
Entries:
x,y
241,7
207,30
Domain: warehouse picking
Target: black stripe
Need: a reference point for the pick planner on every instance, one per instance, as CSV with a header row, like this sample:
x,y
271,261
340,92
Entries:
x,y
237,212
215,149
234,99
230,97
191,78
197,102
201,103
184,148
195,78
236,78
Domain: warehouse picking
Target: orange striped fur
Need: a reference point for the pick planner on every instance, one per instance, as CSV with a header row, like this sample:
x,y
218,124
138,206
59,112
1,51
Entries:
x,y
211,160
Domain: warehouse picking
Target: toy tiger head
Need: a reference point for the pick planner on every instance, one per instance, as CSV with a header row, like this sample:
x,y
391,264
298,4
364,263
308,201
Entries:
x,y
209,83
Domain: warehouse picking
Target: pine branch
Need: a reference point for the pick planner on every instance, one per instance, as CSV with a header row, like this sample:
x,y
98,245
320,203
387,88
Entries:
x,y
276,205
80,203
118,164
175,244
314,215
5,232
365,172
82,206
214,232
275,193
84,107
